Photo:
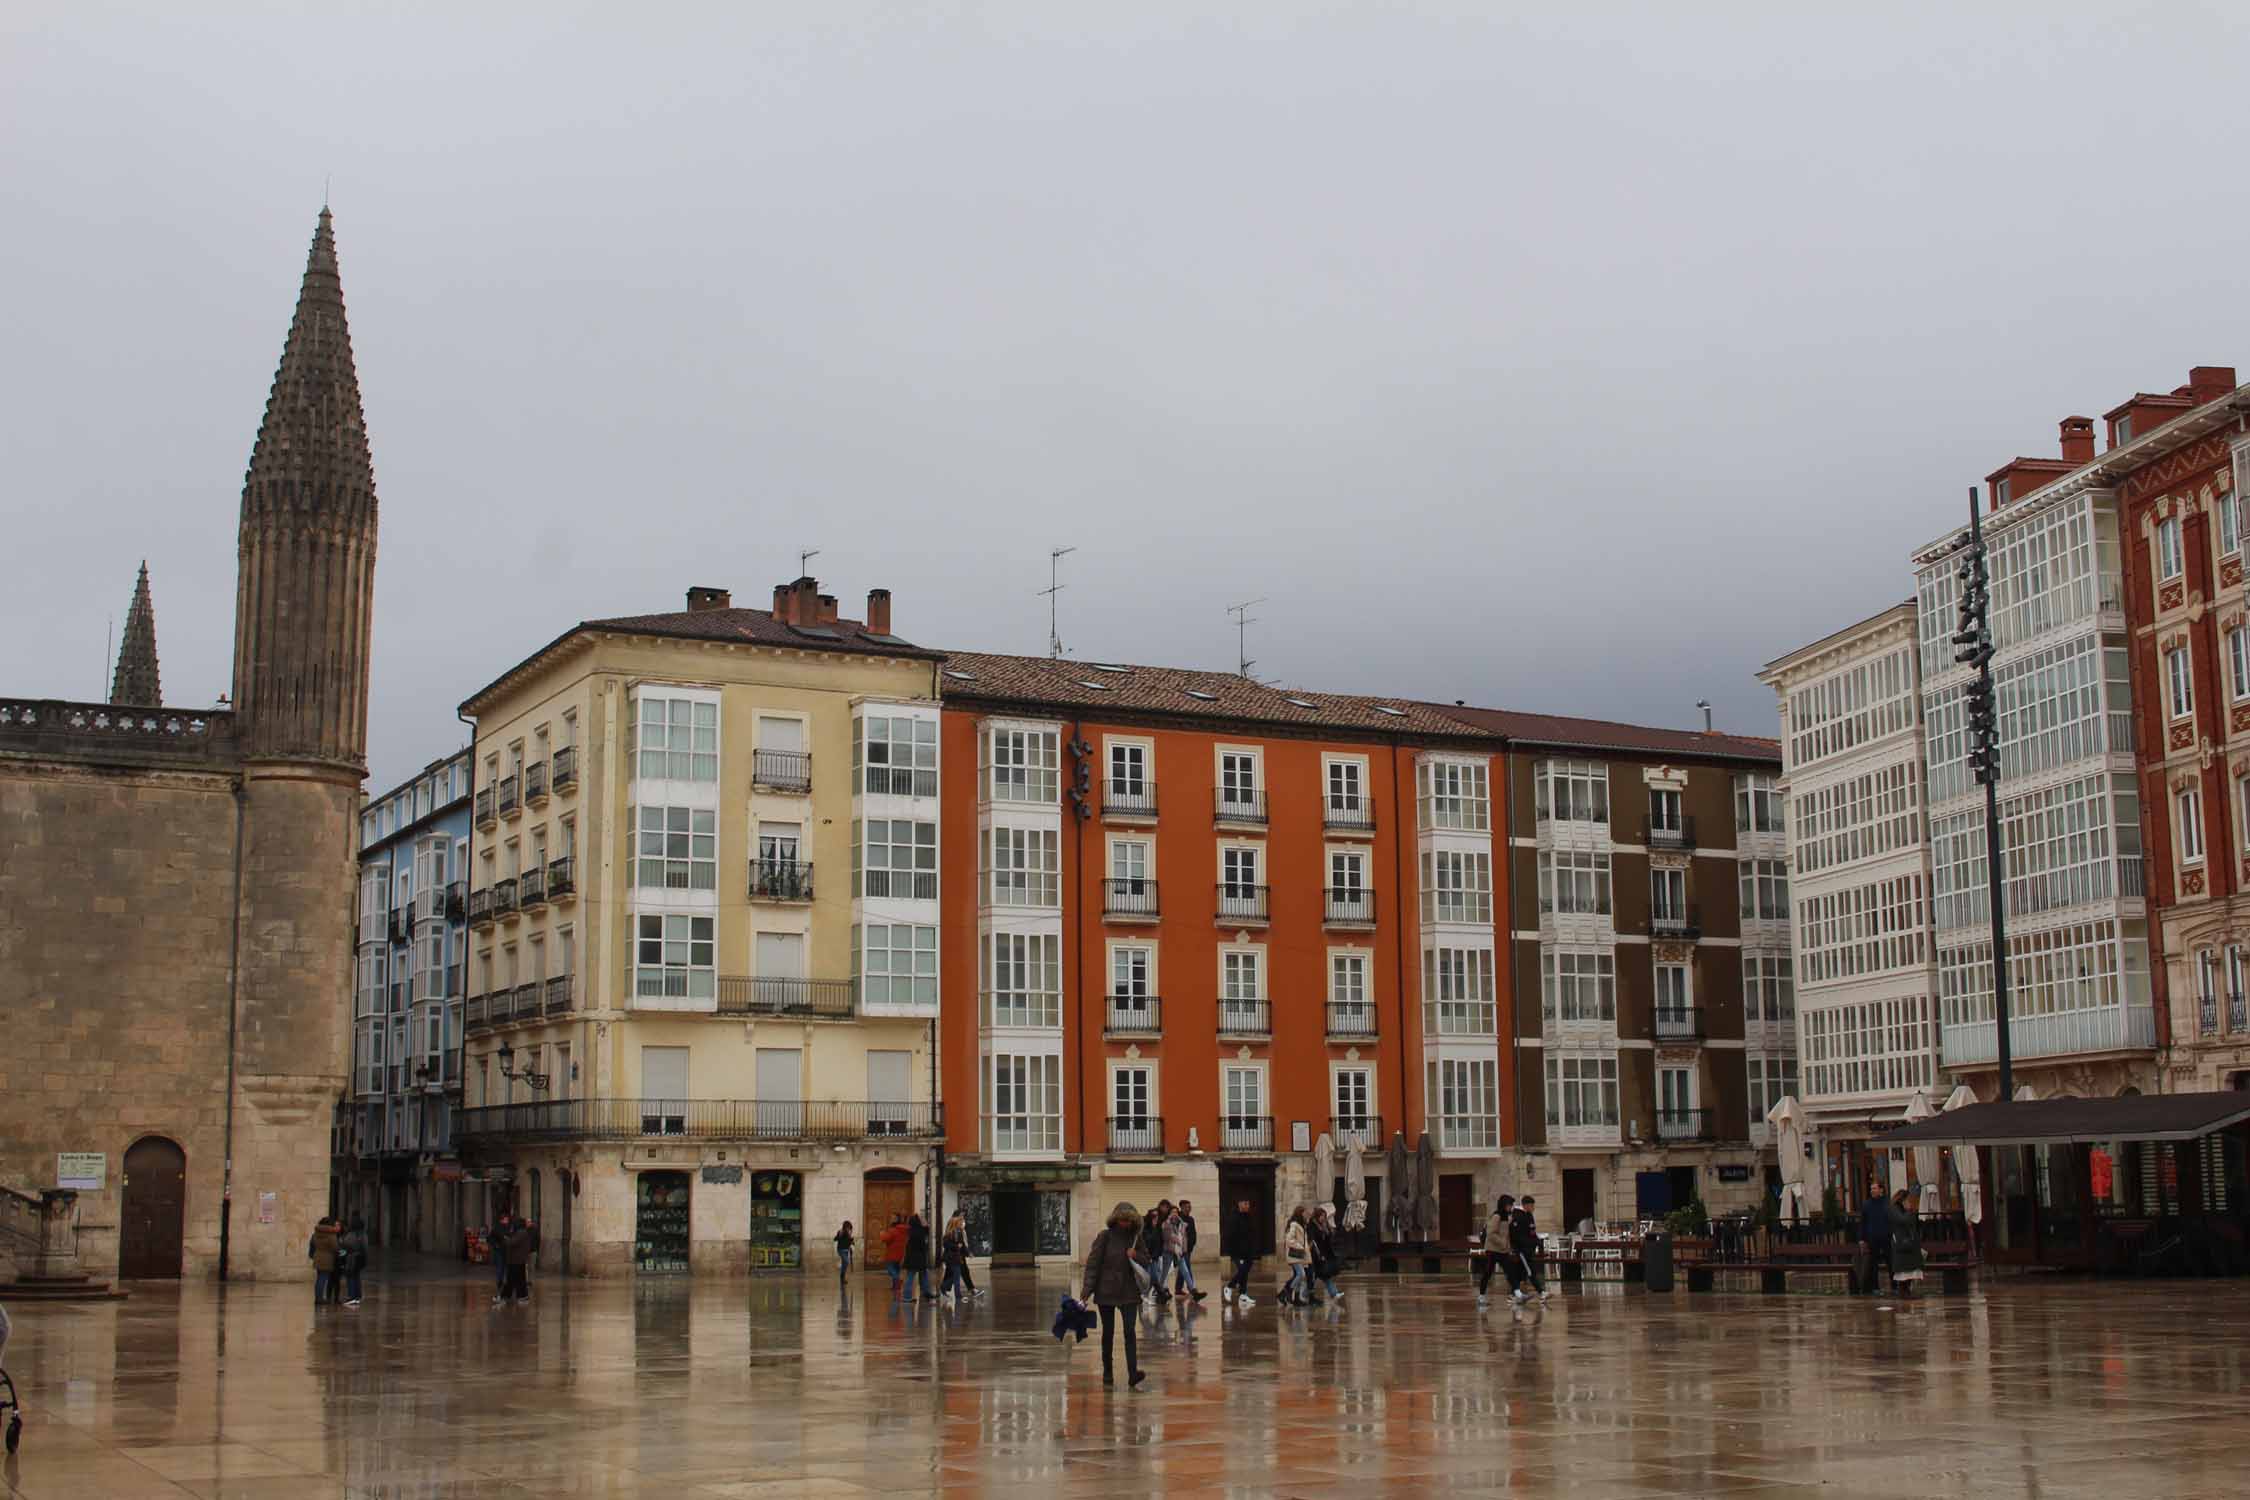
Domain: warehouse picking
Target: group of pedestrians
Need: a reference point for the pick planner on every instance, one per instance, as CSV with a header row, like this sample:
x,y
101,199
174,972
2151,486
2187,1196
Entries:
x,y
1892,1232
907,1256
514,1241
1308,1248
1511,1247
1167,1239
339,1257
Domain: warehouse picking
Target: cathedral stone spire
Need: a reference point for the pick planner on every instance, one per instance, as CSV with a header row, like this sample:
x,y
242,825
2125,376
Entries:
x,y
135,684
307,543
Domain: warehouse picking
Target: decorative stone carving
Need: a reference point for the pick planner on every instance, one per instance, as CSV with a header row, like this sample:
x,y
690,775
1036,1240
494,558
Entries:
x,y
2172,596
2191,883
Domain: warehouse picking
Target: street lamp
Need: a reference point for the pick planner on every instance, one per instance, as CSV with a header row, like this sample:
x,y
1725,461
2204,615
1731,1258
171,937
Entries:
x,y
1974,643
535,1080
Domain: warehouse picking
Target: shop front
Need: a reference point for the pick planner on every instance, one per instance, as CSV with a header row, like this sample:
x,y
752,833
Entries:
x,y
661,1209
1016,1213
777,1220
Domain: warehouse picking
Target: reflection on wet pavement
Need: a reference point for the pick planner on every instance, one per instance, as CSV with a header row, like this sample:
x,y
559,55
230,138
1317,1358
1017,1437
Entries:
x,y
2047,1389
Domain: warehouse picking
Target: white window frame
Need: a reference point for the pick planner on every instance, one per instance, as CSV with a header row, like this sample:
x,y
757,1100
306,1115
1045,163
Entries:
x,y
2238,656
1021,866
1140,761
680,937
1233,860
1232,1072
1339,1107
1238,774
1150,1107
2171,559
681,843
1344,784
2187,812
678,744
878,768
1031,1104
918,876
1458,990
1455,794
905,979
1023,764
1021,980
1570,791
2179,676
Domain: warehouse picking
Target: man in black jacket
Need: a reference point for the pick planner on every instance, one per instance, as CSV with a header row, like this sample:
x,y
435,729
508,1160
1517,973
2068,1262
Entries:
x,y
1523,1239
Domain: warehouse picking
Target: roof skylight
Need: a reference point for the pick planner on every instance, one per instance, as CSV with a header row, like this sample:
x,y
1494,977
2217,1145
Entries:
x,y
1199,693
1385,708
960,676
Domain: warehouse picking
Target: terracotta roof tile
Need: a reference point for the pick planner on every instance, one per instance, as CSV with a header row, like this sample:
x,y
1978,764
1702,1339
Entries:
x,y
759,626
982,676
1606,734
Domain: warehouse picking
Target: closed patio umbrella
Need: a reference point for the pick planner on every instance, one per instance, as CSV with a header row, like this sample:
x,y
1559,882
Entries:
x,y
1788,1124
1425,1189
1967,1165
1926,1165
1355,1188
1401,1186
1324,1172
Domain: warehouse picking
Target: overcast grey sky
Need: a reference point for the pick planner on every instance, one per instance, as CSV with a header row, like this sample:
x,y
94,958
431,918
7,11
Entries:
x,y
1579,359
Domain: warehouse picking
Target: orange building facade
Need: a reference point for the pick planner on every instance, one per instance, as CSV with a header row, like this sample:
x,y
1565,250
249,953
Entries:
x,y
1210,924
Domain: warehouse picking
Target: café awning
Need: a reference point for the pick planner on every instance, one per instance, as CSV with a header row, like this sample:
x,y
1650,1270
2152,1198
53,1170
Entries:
x,y
2036,1122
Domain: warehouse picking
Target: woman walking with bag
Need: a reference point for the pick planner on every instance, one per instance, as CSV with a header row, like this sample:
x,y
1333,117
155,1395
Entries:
x,y
1112,1281
1296,1253
1906,1245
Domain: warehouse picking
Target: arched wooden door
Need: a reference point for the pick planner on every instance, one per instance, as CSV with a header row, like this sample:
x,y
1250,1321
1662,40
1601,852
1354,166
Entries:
x,y
153,1222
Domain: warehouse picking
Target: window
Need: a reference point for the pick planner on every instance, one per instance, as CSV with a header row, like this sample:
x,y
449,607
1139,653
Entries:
x,y
1675,1094
1769,989
676,739
1349,1008
1022,867
1457,991
1672,993
2207,990
1578,987
1581,1092
2178,673
1245,1101
1772,1079
1128,773
675,848
1355,1098
2190,804
1757,805
1574,882
1022,979
1238,872
1129,1095
896,966
1023,764
1455,794
2229,524
1570,791
1026,1103
894,755
674,959
1667,895
1765,890
1664,811
895,858
1347,874
1238,781
1242,986
1466,1095
1130,971
1130,864
1346,790
1457,887
2168,557
2238,656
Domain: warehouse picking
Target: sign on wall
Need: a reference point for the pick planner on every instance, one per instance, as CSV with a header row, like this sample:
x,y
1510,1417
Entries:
x,y
1733,1172
269,1207
83,1170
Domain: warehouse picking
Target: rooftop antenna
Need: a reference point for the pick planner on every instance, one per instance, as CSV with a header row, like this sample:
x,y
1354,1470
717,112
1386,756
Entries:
x,y
1242,623
1054,587
804,559
1705,705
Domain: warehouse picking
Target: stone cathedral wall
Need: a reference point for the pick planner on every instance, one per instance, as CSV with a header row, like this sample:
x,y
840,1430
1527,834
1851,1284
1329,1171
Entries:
x,y
116,901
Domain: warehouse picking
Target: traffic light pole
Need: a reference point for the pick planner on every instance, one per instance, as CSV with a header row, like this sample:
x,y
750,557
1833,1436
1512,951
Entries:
x,y
1975,637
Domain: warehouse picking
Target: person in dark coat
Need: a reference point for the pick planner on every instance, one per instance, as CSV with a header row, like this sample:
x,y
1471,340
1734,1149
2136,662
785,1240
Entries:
x,y
523,1243
1110,1283
351,1250
1238,1241
496,1245
1906,1244
917,1263
1875,1233
322,1251
1152,1252
1523,1239
1183,1276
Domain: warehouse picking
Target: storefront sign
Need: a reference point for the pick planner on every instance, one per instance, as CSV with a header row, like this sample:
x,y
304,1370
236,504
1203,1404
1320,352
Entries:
x,y
1733,1172
445,1171
727,1175
83,1170
993,1174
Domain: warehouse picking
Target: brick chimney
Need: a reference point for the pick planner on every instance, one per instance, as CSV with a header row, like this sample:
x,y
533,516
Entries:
x,y
700,599
878,611
2078,440
2207,383
798,602
827,607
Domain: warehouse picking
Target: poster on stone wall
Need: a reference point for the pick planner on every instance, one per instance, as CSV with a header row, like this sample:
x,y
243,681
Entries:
x,y
975,1205
1054,1223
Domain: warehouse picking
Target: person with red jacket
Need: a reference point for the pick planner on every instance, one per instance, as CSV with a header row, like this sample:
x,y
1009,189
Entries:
x,y
894,1250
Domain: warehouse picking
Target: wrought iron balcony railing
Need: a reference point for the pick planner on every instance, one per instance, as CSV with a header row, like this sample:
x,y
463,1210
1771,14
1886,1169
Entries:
x,y
1242,903
535,783
1134,1015
510,801
558,994
504,897
1136,1135
1678,834
1679,1023
566,768
781,880
781,770
1130,897
484,814
531,887
1351,1018
1684,1124
562,877
759,995
1245,1017
1246,1132
1242,805
1675,922
1351,905
1362,1130
830,1120
1129,799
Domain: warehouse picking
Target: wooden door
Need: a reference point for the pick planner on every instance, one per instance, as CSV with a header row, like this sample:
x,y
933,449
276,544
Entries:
x,y
1577,1196
1456,1205
153,1222
881,1195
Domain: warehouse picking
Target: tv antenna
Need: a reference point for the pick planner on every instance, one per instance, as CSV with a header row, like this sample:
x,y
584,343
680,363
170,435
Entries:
x,y
1705,705
804,559
1054,587
1243,620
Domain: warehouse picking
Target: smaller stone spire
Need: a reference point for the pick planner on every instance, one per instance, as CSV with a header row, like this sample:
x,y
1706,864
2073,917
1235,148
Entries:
x,y
135,685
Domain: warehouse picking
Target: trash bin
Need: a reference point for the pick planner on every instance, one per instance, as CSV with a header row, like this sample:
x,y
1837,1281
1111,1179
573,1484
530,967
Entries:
x,y
1656,1261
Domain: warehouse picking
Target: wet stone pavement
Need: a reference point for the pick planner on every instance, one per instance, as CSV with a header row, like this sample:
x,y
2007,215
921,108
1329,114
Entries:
x,y
781,1387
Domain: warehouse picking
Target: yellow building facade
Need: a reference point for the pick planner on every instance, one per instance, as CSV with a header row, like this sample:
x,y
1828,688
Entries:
x,y
702,1009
